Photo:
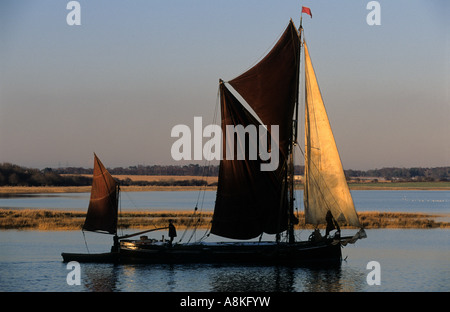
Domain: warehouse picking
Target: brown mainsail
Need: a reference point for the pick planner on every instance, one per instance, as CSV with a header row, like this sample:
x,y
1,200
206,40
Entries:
x,y
249,201
103,205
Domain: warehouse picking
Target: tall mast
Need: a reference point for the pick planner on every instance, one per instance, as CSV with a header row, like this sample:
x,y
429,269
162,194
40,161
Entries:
x,y
292,221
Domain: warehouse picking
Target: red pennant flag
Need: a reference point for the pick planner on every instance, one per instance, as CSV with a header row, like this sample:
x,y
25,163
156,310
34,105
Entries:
x,y
307,11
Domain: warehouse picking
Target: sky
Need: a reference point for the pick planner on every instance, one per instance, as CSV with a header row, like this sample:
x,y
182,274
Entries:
x,y
118,83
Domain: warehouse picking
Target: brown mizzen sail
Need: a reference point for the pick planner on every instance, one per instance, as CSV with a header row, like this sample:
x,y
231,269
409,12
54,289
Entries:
x,y
103,205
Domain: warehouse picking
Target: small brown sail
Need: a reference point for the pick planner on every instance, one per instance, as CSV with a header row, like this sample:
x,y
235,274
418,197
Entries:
x,y
103,205
249,201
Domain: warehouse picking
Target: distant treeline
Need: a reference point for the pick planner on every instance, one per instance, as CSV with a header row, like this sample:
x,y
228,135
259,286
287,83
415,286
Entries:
x,y
171,182
187,170
170,170
405,174
14,175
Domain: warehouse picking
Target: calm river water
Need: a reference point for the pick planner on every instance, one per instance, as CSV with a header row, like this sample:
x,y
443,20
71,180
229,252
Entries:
x,y
410,260
394,201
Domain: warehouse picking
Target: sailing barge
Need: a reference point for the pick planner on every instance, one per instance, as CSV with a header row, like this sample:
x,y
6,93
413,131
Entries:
x,y
249,201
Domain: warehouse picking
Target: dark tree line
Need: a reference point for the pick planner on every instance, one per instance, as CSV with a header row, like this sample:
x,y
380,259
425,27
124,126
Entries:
x,y
405,174
14,175
187,170
187,182
413,174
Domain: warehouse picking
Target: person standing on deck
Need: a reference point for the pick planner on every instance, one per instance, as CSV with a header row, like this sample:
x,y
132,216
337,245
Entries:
x,y
331,224
172,232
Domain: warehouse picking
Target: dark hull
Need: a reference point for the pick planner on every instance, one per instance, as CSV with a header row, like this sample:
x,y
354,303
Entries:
x,y
227,253
108,257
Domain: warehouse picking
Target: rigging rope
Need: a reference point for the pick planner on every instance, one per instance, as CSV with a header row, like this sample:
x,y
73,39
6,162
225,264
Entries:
x,y
203,187
85,241
120,212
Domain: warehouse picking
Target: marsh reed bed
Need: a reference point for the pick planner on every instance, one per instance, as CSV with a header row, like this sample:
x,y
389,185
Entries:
x,y
48,220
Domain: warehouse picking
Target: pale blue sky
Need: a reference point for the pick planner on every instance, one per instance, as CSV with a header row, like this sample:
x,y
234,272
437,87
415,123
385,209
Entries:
x,y
119,82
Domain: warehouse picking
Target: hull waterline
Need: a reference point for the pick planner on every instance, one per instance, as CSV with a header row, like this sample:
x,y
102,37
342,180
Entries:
x,y
222,253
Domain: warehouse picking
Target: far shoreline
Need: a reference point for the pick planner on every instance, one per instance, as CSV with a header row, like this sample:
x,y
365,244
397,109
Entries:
x,y
418,186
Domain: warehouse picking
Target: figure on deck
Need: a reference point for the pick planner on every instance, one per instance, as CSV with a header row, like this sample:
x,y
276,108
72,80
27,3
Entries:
x,y
115,247
331,224
172,232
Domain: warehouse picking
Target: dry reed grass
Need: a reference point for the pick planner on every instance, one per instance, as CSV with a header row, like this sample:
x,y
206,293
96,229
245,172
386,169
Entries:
x,y
47,220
